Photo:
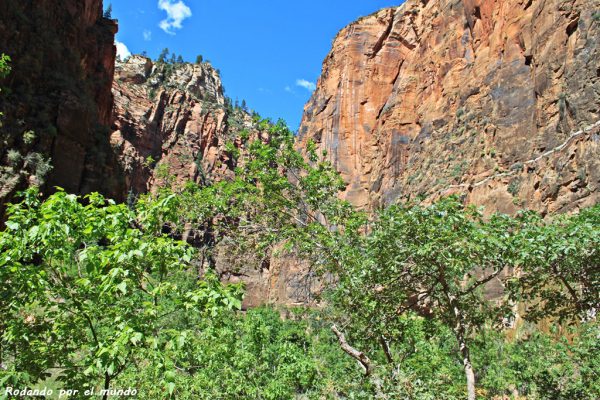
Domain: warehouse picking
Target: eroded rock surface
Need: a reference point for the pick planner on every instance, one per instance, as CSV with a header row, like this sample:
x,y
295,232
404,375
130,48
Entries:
x,y
173,124
171,119
57,101
468,96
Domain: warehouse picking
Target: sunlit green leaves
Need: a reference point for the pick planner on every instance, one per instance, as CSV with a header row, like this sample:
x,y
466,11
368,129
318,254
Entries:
x,y
93,282
560,263
4,66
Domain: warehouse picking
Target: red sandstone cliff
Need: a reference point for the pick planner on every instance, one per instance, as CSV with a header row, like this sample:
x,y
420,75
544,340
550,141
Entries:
x,y
171,119
57,101
469,96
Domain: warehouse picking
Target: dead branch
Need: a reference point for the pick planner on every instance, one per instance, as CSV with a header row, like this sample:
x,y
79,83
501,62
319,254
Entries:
x,y
358,355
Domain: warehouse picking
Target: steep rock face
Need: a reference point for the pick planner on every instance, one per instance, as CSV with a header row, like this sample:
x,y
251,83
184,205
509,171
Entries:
x,y
59,92
173,122
494,99
170,119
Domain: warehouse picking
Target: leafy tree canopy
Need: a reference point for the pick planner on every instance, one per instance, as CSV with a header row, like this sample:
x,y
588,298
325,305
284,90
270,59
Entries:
x,y
88,287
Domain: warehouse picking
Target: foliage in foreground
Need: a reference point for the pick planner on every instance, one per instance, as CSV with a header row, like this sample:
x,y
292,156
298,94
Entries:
x,y
260,356
439,261
87,288
97,295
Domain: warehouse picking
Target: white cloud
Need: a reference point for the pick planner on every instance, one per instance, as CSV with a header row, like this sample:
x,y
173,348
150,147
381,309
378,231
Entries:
x,y
177,11
306,84
288,89
122,50
147,35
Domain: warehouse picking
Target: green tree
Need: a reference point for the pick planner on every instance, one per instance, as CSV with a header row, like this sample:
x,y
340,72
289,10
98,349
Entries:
x,y
560,266
274,192
162,57
108,12
251,356
4,69
88,287
434,260
199,59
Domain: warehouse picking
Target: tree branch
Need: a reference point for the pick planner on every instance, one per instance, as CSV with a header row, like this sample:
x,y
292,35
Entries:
x,y
358,355
386,349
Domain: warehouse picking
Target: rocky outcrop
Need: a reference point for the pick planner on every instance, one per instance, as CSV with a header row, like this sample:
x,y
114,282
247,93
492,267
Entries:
x,y
171,121
282,279
172,124
57,101
493,99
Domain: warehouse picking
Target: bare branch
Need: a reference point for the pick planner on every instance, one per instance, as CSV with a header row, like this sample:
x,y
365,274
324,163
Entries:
x,y
358,355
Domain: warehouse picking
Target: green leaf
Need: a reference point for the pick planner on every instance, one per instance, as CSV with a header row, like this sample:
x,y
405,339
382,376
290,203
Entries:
x,y
171,388
13,226
122,287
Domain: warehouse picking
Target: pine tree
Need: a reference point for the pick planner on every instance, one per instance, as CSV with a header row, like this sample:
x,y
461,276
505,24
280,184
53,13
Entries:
x,y
108,12
163,55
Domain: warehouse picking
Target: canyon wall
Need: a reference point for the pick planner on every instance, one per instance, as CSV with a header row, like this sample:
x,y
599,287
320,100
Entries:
x,y
57,101
498,100
171,119
172,124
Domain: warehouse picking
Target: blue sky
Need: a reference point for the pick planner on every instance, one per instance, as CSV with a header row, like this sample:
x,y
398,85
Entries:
x,y
269,52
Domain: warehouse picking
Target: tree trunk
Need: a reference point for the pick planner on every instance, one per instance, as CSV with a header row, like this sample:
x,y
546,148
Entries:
x,y
460,332
386,349
469,373
106,385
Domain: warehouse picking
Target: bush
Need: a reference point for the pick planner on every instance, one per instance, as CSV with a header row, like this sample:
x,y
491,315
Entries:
x,y
4,66
89,288
28,137
13,157
514,187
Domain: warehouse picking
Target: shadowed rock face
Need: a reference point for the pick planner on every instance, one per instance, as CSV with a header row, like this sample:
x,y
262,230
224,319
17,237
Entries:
x,y
444,96
60,88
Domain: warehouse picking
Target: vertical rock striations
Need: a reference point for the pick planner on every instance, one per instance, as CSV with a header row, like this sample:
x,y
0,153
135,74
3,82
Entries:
x,y
57,101
470,96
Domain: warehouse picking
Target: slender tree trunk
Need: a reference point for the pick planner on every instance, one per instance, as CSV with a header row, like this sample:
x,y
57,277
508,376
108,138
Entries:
x,y
363,360
106,385
460,332
358,355
461,336
469,373
386,349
